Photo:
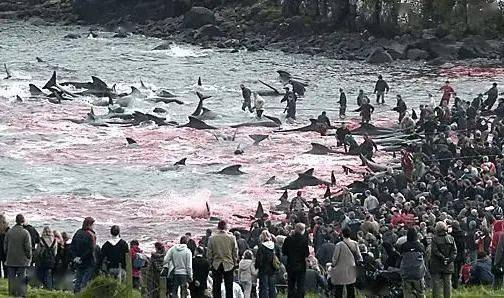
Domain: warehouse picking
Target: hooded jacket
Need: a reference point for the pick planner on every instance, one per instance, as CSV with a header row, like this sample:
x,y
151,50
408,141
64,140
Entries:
x,y
264,258
246,270
179,258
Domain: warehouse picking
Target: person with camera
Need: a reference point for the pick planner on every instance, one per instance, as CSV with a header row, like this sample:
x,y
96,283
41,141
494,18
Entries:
x,y
443,254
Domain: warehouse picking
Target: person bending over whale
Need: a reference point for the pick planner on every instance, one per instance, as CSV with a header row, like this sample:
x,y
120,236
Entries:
x,y
365,110
247,102
341,133
323,123
401,107
353,147
366,148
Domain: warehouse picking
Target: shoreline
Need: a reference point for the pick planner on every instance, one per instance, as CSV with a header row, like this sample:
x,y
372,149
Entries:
x,y
250,28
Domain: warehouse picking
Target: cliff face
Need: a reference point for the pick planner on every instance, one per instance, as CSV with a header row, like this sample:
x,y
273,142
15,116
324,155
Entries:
x,y
104,11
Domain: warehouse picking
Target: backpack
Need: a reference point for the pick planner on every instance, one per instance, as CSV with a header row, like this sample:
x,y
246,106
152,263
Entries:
x,y
277,265
139,261
46,257
412,266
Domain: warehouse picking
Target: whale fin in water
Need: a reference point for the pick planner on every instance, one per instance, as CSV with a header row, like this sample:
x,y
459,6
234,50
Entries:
x,y
98,83
181,162
131,141
258,138
142,84
199,81
196,124
199,108
231,170
274,119
271,180
259,211
285,196
333,179
7,72
327,193
319,149
51,82
18,98
35,91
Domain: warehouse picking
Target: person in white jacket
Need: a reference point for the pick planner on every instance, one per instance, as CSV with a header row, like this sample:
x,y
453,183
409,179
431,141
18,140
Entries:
x,y
246,272
179,259
258,105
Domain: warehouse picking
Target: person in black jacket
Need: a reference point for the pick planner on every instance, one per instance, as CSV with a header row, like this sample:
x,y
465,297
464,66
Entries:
x,y
201,267
295,248
4,228
460,238
401,108
343,104
380,88
113,253
247,101
83,253
264,264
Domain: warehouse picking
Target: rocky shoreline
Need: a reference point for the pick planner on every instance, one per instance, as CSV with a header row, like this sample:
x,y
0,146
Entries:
x,y
252,26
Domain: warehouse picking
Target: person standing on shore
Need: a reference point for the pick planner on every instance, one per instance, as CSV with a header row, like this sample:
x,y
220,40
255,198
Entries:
x,y
82,249
343,104
258,105
46,258
247,100
492,94
380,89
4,228
179,259
113,254
223,257
448,91
443,254
18,249
295,248
365,110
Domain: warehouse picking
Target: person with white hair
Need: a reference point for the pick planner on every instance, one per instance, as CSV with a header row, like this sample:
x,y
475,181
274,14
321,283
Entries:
x,y
258,105
441,265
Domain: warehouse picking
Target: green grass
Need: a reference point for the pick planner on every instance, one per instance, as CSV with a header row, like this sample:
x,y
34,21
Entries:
x,y
466,292
99,286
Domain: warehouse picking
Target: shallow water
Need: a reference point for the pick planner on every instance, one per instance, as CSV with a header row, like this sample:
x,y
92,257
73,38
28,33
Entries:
x,y
57,172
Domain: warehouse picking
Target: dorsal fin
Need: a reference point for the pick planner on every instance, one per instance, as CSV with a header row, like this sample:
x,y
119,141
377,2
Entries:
x,y
199,81
92,111
130,141
18,98
413,115
333,179
134,90
284,196
39,59
259,211
181,162
142,84
327,193
51,82
307,173
99,83
7,72
34,90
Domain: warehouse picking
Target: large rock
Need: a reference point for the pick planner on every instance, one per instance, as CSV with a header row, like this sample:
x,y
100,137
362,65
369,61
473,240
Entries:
x,y
208,31
379,56
396,50
197,17
417,54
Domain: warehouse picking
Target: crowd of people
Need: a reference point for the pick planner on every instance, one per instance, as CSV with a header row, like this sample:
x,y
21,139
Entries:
x,y
434,221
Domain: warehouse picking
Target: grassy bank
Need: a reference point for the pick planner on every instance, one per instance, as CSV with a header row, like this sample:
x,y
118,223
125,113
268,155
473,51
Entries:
x,y
100,287
466,292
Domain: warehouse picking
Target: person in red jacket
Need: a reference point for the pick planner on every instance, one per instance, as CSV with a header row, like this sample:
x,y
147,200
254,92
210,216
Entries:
x,y
448,91
136,264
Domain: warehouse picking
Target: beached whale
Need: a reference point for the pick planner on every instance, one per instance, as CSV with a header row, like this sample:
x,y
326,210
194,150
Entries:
x,y
305,179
